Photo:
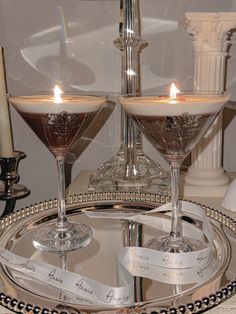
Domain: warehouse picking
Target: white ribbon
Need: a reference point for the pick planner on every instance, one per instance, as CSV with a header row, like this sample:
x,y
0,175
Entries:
x,y
83,288
173,268
192,210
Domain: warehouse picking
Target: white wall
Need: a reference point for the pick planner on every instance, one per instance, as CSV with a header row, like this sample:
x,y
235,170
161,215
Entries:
x,y
32,35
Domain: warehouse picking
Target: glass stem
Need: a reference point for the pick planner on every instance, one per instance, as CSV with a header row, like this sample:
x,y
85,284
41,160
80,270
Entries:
x,y
175,223
61,219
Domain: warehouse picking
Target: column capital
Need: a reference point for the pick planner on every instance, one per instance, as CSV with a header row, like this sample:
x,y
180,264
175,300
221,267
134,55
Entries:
x,y
210,30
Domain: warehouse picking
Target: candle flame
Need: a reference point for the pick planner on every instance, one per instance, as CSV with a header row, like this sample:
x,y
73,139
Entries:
x,y
57,94
173,91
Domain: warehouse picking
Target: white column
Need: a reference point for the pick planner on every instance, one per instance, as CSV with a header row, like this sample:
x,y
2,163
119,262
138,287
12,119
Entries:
x,y
210,31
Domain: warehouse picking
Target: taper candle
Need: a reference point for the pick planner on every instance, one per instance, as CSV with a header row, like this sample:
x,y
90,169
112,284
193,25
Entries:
x,y
6,146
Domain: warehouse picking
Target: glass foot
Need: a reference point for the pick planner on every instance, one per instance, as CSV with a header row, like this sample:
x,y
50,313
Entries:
x,y
52,238
178,245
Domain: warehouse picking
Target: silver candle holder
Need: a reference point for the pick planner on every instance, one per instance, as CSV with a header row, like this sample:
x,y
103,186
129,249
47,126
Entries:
x,y
10,178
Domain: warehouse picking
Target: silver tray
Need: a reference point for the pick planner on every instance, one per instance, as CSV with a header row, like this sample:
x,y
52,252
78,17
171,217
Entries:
x,y
98,260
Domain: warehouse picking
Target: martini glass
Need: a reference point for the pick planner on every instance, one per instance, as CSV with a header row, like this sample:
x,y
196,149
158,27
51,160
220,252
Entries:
x,y
174,124
58,119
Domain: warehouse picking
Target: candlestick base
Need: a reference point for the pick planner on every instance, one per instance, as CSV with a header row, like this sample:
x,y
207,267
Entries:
x,y
9,177
110,177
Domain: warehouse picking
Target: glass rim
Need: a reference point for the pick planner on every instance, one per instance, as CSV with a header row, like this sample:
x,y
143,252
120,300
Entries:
x,y
51,93
181,93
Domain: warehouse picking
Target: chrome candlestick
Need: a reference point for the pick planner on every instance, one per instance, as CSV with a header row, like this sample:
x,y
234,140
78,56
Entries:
x,y
9,177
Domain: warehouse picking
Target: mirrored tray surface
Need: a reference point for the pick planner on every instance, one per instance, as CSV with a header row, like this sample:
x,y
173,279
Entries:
x,y
98,260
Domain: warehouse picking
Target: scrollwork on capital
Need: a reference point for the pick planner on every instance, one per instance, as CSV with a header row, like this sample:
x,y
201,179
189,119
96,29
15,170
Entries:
x,y
210,35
